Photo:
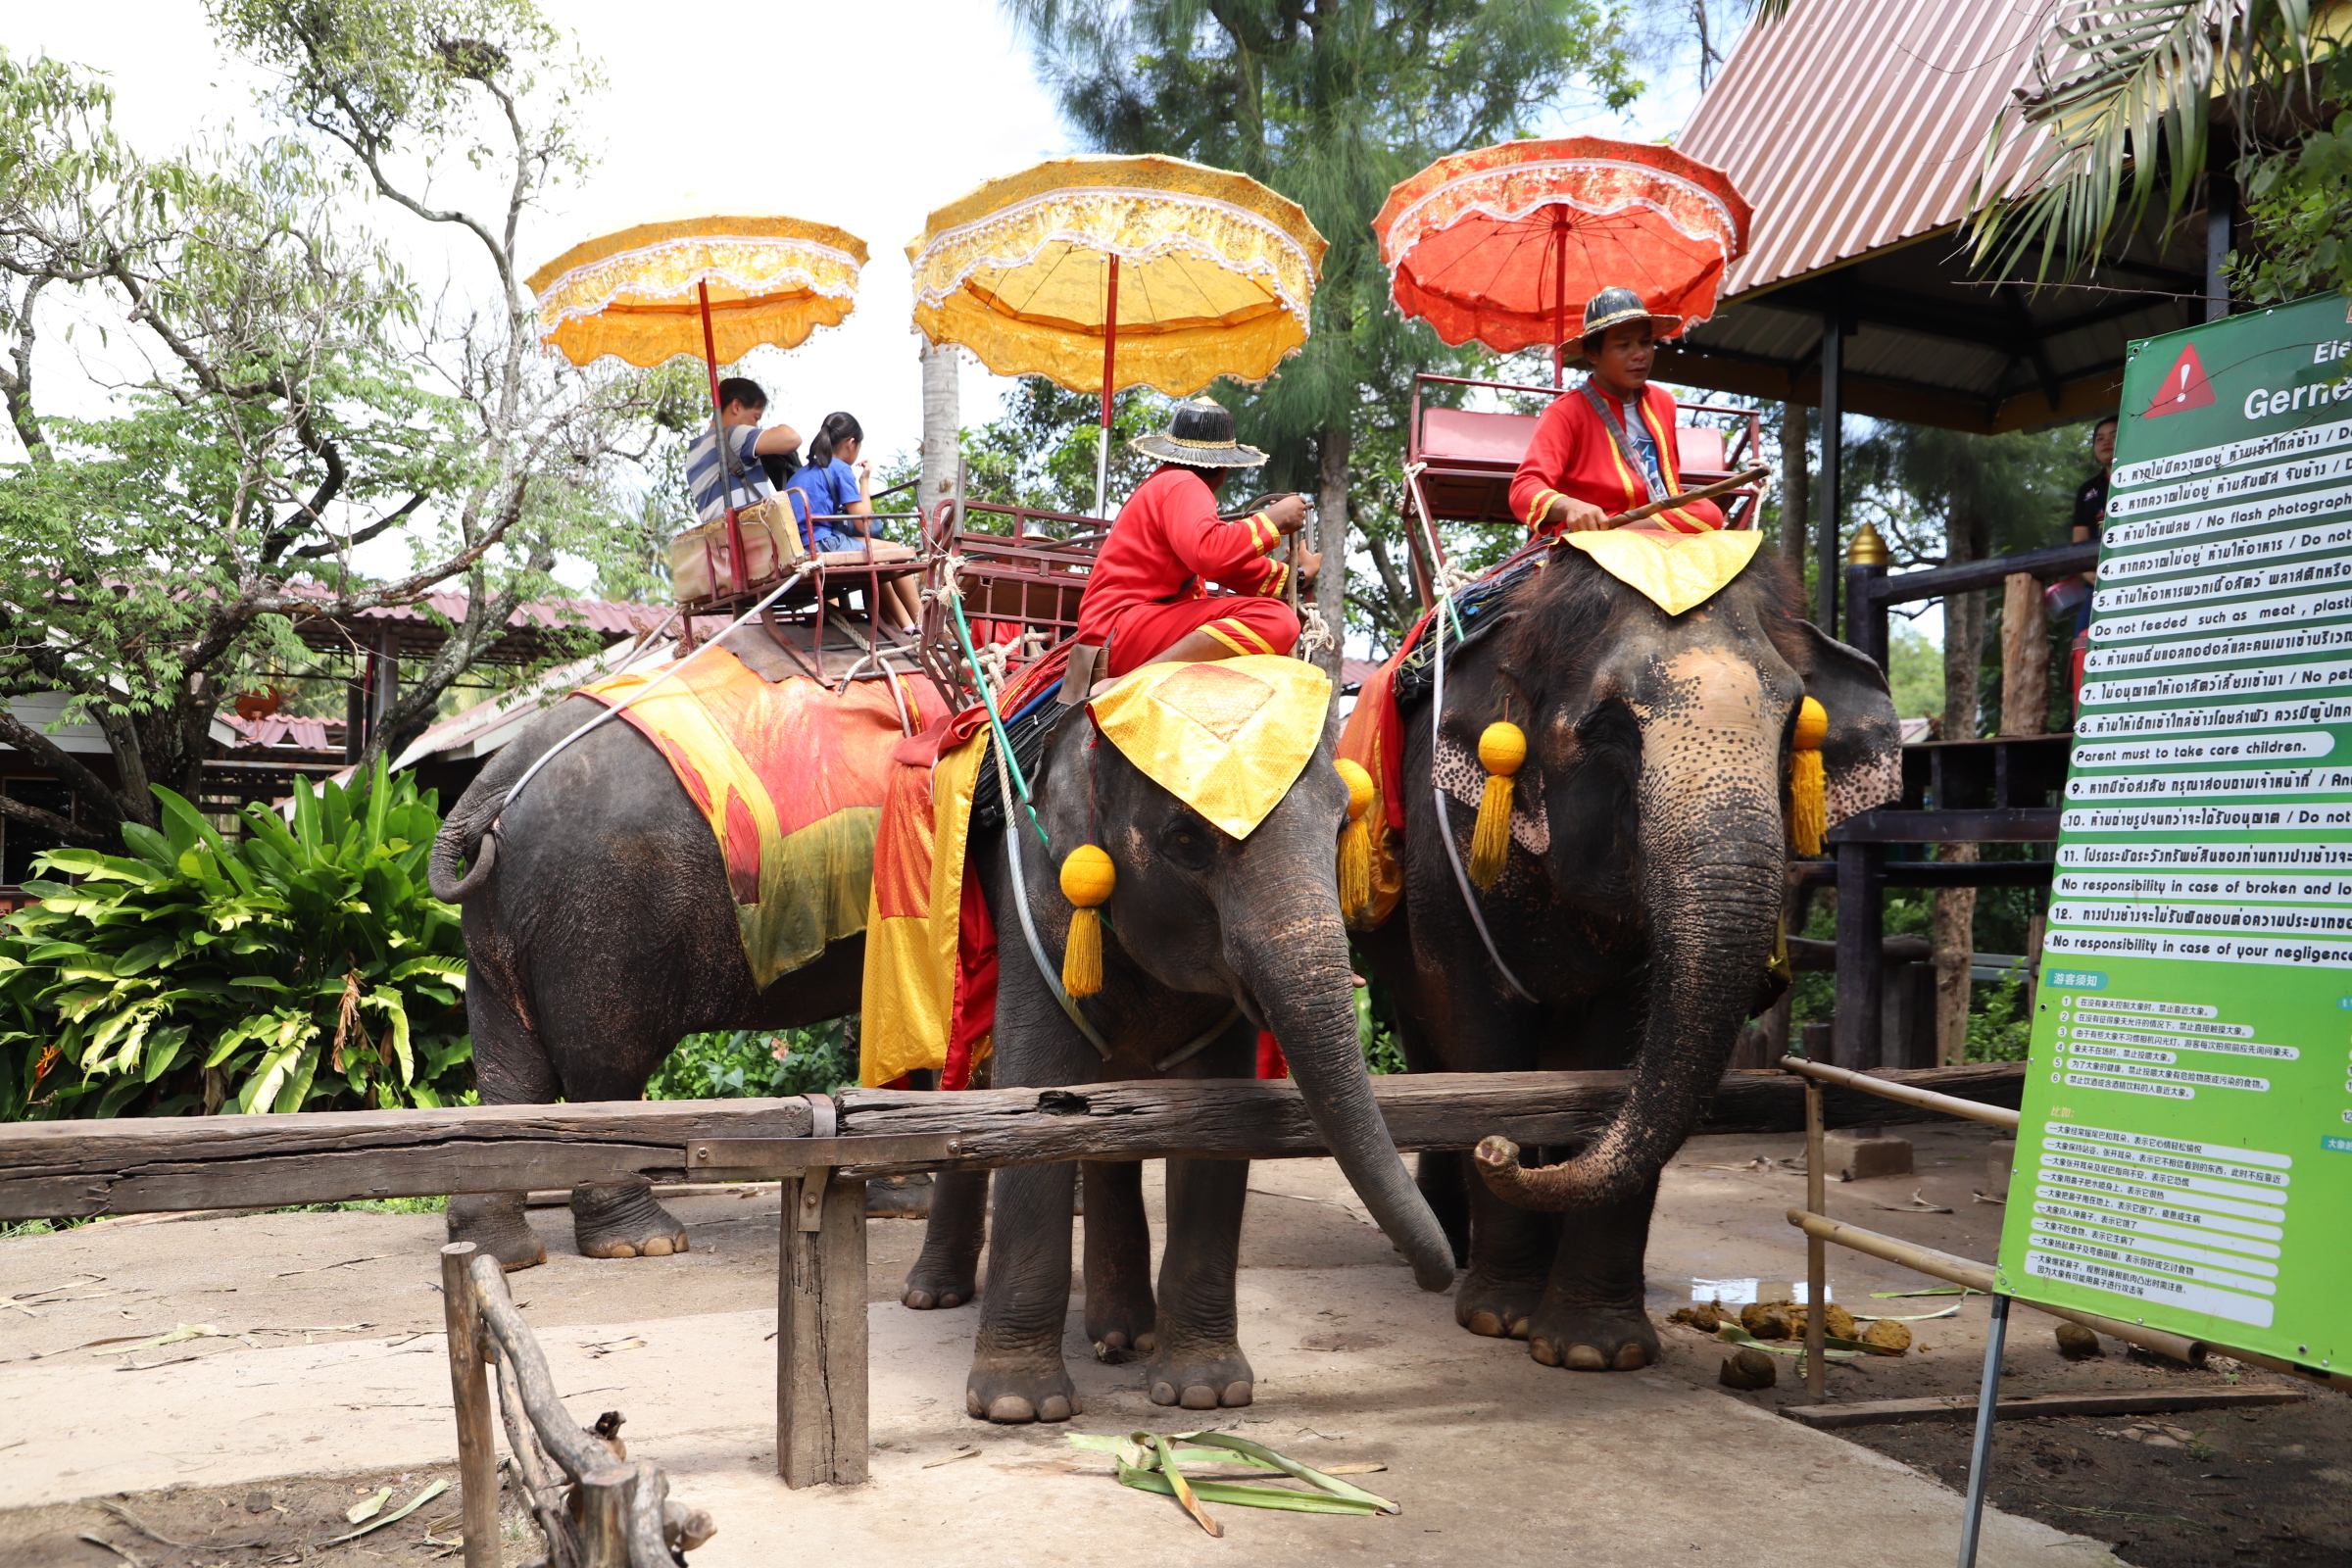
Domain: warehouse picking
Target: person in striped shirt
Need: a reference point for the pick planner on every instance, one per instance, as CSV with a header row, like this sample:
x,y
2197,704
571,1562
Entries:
x,y
710,484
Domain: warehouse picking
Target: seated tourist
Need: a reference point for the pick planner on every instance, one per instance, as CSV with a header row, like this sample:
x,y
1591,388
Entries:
x,y
737,475
829,499
1147,600
1607,446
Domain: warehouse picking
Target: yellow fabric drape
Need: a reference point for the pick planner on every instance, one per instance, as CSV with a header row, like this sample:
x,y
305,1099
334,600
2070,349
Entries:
x,y
913,927
1677,570
1227,738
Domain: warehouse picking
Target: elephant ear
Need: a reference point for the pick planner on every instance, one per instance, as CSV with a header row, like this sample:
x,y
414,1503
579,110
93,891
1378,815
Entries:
x,y
1863,753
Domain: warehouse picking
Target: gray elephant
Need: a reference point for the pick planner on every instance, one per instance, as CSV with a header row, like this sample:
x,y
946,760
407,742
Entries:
x,y
1637,907
599,929
1205,928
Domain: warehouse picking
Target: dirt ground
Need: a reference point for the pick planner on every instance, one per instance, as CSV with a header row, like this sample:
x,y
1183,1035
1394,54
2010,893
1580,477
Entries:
x,y
1348,1355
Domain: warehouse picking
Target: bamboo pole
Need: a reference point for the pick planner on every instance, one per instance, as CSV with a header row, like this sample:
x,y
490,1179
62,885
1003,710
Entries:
x,y
1924,1098
1817,1261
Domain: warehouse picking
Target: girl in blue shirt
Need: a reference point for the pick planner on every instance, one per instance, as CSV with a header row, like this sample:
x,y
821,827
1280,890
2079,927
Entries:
x,y
828,497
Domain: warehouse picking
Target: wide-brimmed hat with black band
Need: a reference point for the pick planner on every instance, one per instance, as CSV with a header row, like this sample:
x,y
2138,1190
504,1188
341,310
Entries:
x,y
1199,436
1614,306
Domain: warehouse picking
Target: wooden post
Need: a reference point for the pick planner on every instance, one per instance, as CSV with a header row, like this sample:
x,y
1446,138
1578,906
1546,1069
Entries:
x,y
1861,963
469,1392
1817,1262
607,1497
820,1332
2024,657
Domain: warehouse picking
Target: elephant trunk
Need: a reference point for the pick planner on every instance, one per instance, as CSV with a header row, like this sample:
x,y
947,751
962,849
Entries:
x,y
1287,947
1712,859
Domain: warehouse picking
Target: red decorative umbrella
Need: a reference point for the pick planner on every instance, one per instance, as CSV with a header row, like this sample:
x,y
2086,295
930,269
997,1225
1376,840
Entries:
x,y
1506,244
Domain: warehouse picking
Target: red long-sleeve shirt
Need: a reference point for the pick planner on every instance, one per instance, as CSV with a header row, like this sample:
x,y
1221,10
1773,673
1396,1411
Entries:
x,y
1168,544
1570,454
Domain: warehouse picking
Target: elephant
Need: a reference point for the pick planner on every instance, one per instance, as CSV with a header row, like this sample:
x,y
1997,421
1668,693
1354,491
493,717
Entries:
x,y
599,929
1203,928
1638,905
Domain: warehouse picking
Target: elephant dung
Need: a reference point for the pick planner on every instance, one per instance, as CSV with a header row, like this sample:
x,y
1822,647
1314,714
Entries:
x,y
1705,1316
1748,1368
1835,1320
1766,1320
1889,1334
2077,1343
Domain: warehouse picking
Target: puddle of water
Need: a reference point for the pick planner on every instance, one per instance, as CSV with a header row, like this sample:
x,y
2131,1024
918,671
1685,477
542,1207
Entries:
x,y
1739,1293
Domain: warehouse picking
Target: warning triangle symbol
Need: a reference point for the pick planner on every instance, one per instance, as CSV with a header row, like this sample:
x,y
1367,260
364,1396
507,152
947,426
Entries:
x,y
2184,386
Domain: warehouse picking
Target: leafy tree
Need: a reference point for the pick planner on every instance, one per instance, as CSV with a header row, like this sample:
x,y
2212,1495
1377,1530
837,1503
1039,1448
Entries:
x,y
1331,105
2124,113
300,399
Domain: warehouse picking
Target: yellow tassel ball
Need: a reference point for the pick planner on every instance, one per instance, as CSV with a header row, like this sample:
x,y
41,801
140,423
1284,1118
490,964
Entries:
x,y
1086,880
1502,752
1809,780
1356,839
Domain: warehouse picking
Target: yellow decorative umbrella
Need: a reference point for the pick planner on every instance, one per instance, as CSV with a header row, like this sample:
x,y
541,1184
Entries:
x,y
718,284
1117,272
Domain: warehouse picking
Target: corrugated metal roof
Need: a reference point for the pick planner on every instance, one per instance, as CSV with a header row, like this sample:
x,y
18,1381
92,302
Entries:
x,y
1854,125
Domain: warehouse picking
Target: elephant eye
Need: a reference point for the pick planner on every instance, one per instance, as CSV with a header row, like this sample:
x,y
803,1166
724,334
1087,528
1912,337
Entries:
x,y
1187,841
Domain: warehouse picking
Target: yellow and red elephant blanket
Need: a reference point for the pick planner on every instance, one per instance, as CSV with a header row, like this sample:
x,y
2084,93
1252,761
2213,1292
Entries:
x,y
790,775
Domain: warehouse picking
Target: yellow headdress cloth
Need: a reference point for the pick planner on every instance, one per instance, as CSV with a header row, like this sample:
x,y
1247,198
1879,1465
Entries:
x,y
1228,738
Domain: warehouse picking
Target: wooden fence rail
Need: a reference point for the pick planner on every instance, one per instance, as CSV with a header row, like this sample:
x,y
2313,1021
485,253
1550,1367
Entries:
x,y
82,1168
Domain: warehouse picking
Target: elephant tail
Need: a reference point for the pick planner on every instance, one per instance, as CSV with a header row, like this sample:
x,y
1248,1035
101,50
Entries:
x,y
472,830
445,869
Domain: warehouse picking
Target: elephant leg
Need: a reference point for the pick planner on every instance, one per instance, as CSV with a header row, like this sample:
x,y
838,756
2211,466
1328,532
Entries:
x,y
946,1270
1592,1317
1441,1178
1511,1251
510,1068
621,1219
1017,1372
1200,1364
1118,1261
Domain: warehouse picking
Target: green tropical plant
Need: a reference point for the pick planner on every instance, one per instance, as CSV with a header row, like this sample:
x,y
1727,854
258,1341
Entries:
x,y
302,966
2122,114
735,1063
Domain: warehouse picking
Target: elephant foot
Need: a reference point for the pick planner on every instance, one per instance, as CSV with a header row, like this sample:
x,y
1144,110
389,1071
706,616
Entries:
x,y
494,1222
1012,1393
1120,1330
940,1284
622,1220
1499,1309
1202,1382
1594,1339
898,1197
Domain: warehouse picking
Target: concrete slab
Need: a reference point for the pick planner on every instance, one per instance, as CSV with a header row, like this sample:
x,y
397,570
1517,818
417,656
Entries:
x,y
1494,1460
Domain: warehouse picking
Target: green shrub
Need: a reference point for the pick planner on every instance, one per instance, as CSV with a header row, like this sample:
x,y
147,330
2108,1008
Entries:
x,y
734,1063
302,967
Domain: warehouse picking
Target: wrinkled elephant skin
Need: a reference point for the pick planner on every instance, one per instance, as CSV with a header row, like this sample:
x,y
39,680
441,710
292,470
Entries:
x,y
1637,904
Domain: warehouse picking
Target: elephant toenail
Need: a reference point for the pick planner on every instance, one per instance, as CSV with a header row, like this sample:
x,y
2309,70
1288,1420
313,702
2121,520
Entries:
x,y
1054,1409
1486,1323
1631,1356
1115,1339
1011,1410
1236,1395
1200,1396
1163,1393
622,1249
1544,1351
1519,1327
1584,1358
950,1301
658,1246
920,1301
971,1404
1146,1341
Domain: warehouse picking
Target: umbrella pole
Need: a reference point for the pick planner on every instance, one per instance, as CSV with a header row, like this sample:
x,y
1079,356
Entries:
x,y
1111,357
1560,299
718,439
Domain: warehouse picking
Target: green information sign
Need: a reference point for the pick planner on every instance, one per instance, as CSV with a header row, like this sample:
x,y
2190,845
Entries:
x,y
2186,1153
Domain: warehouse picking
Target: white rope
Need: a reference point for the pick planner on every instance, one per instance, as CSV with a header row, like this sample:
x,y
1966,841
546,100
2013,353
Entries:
x,y
1315,636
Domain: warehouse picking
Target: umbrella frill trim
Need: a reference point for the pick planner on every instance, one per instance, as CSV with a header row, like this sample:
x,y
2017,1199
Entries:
x,y
752,264
1516,192
1135,226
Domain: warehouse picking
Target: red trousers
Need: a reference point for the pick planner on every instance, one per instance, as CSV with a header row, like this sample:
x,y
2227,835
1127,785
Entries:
x,y
1244,623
